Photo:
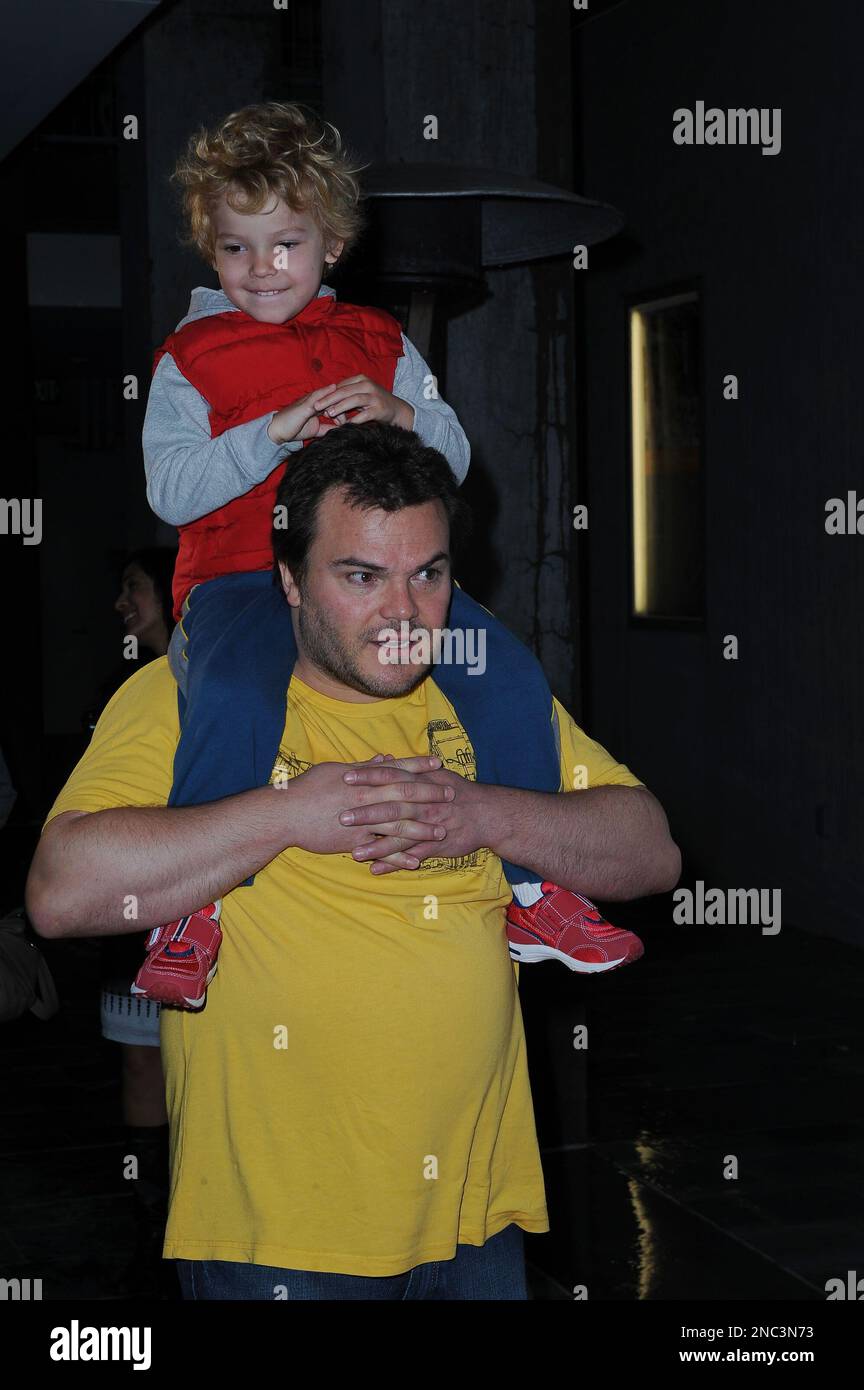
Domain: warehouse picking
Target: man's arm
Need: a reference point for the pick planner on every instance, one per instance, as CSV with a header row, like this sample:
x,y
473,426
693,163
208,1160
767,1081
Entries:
x,y
170,861
173,860
609,842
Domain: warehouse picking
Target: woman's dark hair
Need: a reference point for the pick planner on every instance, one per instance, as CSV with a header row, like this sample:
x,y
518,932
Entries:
x,y
157,562
377,466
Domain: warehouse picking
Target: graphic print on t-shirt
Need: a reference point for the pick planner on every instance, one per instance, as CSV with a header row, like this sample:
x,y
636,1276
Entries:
x,y
449,742
286,766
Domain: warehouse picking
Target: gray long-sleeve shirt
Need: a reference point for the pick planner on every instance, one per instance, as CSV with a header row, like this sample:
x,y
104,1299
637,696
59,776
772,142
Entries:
x,y
189,474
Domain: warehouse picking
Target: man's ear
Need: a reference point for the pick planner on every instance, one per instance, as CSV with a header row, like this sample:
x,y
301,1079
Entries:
x,y
290,589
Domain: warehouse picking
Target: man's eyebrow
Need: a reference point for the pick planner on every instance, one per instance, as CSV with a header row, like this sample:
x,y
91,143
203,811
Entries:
x,y
357,564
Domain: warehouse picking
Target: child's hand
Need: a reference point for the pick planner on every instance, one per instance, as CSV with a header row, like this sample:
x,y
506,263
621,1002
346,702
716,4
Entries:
x,y
300,419
369,401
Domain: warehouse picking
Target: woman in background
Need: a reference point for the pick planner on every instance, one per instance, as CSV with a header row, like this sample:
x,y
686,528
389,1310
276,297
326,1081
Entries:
x,y
144,605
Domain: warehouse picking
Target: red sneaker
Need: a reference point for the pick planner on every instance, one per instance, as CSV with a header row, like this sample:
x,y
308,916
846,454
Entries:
x,y
181,960
567,927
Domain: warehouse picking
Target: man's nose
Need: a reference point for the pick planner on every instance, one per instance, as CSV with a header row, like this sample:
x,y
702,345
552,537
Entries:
x,y
399,602
120,604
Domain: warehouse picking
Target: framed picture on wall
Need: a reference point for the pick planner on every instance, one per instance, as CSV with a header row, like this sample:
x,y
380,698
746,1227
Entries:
x,y
667,521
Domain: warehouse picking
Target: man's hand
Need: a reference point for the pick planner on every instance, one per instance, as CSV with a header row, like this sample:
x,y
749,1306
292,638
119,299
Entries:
x,y
608,842
405,810
466,815
369,401
300,419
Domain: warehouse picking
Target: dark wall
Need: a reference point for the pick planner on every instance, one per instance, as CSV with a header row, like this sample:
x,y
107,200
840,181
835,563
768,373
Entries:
x,y
759,760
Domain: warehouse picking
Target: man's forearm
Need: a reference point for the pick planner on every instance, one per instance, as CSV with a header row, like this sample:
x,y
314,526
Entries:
x,y
611,843
121,870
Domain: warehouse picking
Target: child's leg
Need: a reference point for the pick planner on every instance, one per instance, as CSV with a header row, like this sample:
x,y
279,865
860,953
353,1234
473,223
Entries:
x,y
238,658
232,655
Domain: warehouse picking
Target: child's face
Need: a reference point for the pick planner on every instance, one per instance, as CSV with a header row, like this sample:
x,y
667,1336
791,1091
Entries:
x,y
270,263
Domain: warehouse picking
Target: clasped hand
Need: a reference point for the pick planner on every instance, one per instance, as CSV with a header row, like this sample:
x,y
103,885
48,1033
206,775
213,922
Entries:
x,y
391,812
328,407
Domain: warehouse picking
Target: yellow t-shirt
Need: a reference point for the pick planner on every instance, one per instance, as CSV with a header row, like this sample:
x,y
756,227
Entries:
x,y
354,1097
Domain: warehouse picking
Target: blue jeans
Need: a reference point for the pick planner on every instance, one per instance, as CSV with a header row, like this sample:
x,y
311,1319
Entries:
x,y
494,1272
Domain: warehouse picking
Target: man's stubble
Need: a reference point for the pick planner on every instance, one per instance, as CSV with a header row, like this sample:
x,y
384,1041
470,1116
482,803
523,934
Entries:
x,y
324,648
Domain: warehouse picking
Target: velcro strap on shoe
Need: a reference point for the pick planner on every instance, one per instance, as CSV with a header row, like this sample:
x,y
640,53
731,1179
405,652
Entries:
x,y
194,931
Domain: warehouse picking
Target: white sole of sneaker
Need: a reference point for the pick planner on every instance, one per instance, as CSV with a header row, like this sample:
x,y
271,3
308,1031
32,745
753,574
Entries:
x,y
190,1003
527,955
199,1003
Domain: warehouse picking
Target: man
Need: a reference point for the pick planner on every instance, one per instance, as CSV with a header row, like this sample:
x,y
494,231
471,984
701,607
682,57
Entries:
x,y
350,1114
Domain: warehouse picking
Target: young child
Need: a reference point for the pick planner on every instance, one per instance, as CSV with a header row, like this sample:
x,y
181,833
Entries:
x,y
255,371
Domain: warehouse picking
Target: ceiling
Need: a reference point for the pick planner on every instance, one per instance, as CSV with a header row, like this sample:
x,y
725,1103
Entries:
x,y
49,48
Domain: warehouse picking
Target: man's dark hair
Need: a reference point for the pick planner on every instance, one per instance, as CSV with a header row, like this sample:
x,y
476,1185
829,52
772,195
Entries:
x,y
376,466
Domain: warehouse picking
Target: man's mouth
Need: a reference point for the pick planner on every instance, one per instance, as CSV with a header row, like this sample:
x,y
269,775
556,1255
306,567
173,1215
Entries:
x,y
399,649
130,617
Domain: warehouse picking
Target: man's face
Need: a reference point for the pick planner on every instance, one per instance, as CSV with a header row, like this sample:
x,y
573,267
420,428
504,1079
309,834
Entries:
x,y
270,263
367,572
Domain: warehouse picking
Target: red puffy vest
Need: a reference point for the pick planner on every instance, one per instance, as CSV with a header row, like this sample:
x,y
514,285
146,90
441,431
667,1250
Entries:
x,y
245,369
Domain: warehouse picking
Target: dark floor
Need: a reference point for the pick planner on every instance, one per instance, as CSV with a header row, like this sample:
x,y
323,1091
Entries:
x,y
720,1042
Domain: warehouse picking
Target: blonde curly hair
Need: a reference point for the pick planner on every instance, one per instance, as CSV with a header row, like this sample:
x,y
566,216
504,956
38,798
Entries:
x,y
273,148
